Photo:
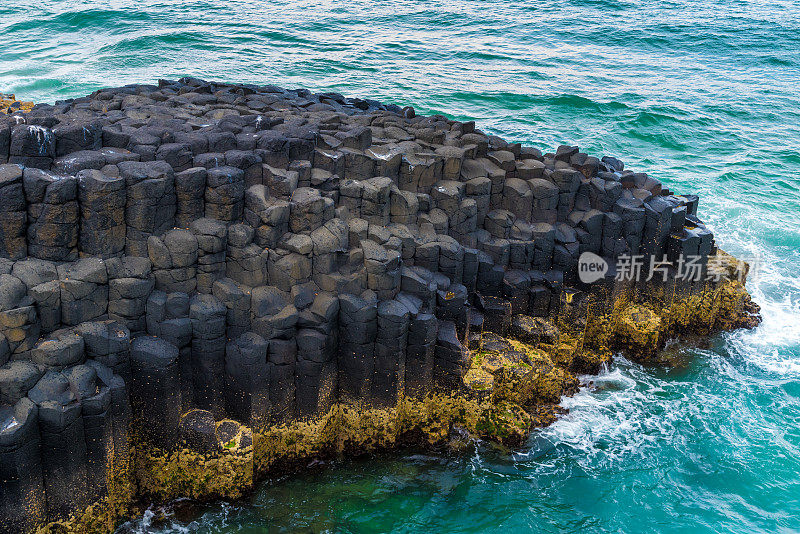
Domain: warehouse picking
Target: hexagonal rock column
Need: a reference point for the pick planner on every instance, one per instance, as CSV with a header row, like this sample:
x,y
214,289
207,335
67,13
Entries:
x,y
246,262
280,182
19,323
479,189
633,221
247,380
22,507
168,318
95,398
451,358
330,243
282,358
119,413
404,207
375,200
418,172
52,215
237,299
74,136
61,349
63,445
208,352
150,202
224,198
212,239
84,290
288,269
358,328
517,198
155,391
309,210
32,146
109,343
317,347
190,188
41,279
102,205
383,269
390,353
420,352
174,260
130,282
268,216
13,243
545,200
17,377
249,162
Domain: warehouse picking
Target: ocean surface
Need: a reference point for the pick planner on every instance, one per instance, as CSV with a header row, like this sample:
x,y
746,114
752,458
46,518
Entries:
x,y
701,94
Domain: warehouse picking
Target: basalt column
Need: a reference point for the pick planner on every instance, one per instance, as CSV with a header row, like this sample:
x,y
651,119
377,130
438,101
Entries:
x,y
52,215
102,205
13,225
168,319
317,347
63,445
247,380
155,391
208,353
275,319
21,483
150,205
390,352
358,328
178,256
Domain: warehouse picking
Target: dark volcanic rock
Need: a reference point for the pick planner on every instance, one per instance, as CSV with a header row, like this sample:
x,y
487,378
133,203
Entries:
x,y
180,255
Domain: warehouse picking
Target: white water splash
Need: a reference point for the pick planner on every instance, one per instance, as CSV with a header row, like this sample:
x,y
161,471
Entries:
x,y
775,344
607,420
157,521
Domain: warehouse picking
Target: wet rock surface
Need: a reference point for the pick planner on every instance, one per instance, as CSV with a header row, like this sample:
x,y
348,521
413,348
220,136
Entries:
x,y
200,279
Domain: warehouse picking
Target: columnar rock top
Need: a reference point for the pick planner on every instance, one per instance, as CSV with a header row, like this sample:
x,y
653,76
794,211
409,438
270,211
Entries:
x,y
261,253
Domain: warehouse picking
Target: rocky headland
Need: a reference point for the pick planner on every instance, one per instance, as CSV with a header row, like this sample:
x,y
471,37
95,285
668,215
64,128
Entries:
x,y
203,283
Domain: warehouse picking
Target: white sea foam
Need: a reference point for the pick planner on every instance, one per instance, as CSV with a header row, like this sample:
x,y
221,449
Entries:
x,y
611,419
142,526
164,524
774,345
774,283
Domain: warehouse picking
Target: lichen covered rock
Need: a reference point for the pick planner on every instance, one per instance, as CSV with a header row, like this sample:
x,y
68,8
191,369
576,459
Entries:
x,y
639,331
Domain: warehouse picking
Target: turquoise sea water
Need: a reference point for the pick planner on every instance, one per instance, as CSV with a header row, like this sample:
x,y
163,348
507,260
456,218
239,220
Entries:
x,y
701,94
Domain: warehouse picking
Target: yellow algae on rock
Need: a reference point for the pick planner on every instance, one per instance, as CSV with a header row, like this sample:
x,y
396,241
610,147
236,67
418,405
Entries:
x,y
641,321
9,104
354,430
535,381
478,378
726,307
506,423
590,360
164,475
639,331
